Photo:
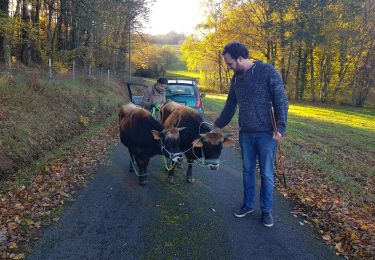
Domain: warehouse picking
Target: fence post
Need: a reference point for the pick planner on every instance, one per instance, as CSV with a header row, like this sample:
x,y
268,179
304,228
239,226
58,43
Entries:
x,y
90,70
50,68
9,62
107,74
9,57
101,72
74,72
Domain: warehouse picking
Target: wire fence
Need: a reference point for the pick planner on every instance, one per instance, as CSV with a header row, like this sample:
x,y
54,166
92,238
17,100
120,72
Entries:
x,y
74,70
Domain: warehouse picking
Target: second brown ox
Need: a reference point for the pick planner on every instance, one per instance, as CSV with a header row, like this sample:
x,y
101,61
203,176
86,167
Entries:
x,y
197,141
145,137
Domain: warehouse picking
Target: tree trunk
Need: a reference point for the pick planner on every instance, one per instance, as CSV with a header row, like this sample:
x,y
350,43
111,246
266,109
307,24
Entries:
x,y
303,75
312,82
342,73
17,13
4,5
268,54
35,47
273,53
321,73
283,44
299,59
326,77
288,66
219,59
49,31
59,27
74,26
26,48
364,79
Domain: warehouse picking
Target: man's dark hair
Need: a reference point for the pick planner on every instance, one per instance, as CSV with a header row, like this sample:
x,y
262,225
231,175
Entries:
x,y
162,81
236,50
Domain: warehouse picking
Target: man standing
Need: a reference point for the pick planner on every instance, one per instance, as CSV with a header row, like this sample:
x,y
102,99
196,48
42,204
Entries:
x,y
255,87
154,96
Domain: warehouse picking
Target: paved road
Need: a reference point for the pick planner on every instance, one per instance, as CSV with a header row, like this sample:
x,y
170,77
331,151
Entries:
x,y
114,218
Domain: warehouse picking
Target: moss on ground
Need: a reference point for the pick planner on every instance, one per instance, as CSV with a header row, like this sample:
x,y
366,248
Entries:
x,y
183,224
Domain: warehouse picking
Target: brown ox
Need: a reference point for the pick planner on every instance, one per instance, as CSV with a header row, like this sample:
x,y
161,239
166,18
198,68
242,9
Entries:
x,y
144,137
197,140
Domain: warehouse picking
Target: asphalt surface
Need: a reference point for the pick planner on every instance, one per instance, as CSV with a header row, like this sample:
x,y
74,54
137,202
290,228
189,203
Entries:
x,y
115,218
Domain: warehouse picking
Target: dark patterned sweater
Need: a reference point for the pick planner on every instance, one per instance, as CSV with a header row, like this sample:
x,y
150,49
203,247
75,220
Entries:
x,y
253,93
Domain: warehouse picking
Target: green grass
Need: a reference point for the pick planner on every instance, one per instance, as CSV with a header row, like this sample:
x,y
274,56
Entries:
x,y
182,74
24,175
337,141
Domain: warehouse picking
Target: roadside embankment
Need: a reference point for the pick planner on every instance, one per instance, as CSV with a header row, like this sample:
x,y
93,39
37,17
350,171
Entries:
x,y
38,114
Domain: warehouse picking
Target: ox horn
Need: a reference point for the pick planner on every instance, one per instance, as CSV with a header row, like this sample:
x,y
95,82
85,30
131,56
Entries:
x,y
204,136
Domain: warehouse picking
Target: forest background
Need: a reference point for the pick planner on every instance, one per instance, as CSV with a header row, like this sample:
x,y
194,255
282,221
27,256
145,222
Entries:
x,y
323,49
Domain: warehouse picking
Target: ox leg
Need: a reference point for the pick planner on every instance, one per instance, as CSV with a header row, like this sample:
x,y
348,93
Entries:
x,y
131,168
145,169
189,173
171,174
142,179
142,166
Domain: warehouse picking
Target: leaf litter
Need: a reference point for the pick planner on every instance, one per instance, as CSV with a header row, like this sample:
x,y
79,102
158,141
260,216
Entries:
x,y
25,209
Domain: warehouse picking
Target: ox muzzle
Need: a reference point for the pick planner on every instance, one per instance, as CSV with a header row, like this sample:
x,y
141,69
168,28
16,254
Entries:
x,y
213,164
176,157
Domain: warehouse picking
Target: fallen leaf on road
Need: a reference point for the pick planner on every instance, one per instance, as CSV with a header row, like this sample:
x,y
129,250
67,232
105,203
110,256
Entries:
x,y
12,225
19,256
3,234
13,245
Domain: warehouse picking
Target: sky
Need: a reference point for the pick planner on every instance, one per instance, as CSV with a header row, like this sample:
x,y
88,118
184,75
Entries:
x,y
179,16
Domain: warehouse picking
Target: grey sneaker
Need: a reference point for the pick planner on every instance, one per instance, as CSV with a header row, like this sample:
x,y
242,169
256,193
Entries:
x,y
243,211
267,219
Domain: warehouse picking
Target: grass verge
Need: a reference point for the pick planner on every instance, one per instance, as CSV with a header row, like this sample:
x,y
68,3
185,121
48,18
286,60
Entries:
x,y
38,115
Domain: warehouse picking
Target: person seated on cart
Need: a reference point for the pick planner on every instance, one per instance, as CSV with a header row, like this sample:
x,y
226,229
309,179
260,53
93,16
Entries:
x,y
154,96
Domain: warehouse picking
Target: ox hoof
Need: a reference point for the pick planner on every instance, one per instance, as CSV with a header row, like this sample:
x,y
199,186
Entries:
x,y
142,181
170,179
189,179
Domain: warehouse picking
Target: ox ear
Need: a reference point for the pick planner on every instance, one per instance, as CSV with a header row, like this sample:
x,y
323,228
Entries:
x,y
156,134
197,143
181,128
228,142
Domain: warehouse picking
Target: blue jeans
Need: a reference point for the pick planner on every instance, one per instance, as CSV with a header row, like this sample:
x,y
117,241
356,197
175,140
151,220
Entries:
x,y
259,145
